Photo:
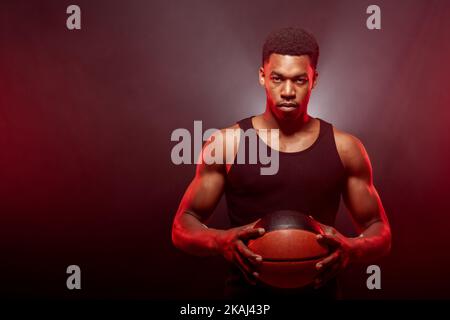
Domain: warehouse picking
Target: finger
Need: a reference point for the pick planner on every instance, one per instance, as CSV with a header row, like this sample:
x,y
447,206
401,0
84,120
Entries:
x,y
328,240
323,227
246,264
328,229
253,258
327,274
324,277
328,261
250,233
245,269
252,225
247,277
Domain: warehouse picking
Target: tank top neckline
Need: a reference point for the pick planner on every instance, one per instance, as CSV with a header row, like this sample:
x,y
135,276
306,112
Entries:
x,y
295,153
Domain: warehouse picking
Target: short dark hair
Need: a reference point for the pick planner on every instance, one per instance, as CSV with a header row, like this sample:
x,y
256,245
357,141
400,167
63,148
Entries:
x,y
291,41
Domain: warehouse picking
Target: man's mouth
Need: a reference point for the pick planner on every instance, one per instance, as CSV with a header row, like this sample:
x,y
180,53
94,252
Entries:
x,y
287,106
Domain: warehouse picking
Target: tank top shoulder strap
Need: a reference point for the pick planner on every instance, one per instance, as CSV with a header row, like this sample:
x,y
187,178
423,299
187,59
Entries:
x,y
328,139
326,128
246,123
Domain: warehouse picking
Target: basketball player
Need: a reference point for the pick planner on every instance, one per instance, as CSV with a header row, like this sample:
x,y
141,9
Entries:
x,y
317,164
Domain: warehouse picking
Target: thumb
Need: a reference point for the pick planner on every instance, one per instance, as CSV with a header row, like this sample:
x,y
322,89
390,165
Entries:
x,y
322,227
329,240
252,224
250,233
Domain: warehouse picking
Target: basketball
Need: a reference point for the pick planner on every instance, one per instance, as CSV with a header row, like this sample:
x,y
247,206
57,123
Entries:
x,y
288,248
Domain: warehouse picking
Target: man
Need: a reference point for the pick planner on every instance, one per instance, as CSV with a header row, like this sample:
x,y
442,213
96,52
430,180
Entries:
x,y
317,164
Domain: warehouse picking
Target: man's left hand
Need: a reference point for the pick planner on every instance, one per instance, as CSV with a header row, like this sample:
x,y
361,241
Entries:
x,y
341,248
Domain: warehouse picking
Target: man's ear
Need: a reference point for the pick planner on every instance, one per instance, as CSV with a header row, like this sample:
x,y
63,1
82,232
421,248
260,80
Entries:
x,y
261,76
316,75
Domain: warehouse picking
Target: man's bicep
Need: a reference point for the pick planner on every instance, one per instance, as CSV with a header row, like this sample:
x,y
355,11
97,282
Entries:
x,y
206,189
363,202
203,193
360,195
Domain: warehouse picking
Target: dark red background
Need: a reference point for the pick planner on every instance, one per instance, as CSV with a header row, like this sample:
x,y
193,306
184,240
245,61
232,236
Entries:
x,y
86,116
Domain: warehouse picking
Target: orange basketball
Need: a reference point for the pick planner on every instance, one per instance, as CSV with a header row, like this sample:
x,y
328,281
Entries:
x,y
289,249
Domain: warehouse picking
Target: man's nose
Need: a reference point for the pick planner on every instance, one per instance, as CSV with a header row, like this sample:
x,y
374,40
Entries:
x,y
288,90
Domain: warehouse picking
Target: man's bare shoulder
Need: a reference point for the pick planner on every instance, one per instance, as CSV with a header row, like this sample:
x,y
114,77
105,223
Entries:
x,y
221,147
346,142
225,136
232,128
352,152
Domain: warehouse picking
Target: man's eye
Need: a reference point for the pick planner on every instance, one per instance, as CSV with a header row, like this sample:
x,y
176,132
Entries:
x,y
276,79
301,81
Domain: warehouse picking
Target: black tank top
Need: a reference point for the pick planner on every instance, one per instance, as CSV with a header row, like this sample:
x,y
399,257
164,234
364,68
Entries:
x,y
309,181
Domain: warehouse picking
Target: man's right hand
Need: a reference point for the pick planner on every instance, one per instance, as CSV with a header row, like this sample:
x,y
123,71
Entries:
x,y
232,247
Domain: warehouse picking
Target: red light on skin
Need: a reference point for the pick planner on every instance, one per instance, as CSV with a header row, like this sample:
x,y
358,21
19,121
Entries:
x,y
288,82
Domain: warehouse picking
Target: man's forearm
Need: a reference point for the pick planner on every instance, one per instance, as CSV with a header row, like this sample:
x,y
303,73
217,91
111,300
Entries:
x,y
193,237
373,243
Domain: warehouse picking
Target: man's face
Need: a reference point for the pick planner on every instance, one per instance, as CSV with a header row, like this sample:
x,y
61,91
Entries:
x,y
288,81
